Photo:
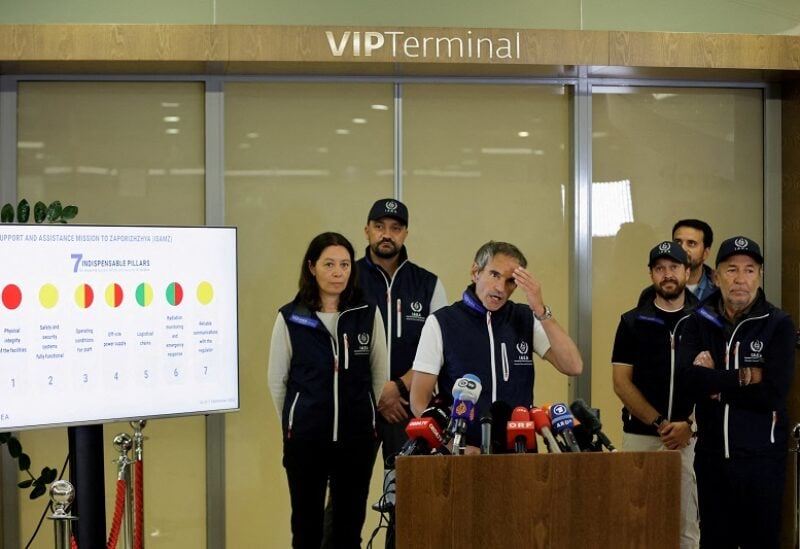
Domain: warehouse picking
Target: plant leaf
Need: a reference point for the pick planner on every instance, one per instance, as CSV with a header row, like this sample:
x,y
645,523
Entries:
x,y
69,212
24,462
25,483
14,447
7,214
4,437
23,211
54,211
38,491
49,475
39,212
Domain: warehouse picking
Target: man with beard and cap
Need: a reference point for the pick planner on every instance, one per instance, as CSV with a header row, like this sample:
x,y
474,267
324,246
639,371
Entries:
x,y
655,415
737,358
406,294
695,237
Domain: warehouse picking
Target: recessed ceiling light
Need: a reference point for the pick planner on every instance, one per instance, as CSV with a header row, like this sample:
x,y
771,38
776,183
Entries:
x,y
523,134
30,145
172,131
359,120
342,131
379,107
172,119
252,135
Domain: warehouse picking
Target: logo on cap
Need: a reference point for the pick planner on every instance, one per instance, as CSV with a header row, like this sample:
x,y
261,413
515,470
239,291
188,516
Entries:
x,y
741,243
665,247
391,206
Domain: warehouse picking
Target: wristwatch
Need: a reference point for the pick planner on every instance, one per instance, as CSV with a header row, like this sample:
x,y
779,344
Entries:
x,y
548,314
658,421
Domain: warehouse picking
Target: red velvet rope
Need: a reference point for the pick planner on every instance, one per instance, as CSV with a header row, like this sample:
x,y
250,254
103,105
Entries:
x,y
138,487
119,507
73,543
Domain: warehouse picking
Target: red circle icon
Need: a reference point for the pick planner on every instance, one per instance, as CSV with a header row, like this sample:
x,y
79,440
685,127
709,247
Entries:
x,y
12,296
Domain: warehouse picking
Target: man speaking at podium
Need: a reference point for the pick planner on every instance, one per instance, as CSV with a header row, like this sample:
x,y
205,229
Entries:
x,y
486,335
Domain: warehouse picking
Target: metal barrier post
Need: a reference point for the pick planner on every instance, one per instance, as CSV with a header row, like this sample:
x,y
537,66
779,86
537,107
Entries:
x,y
123,444
138,455
61,496
796,451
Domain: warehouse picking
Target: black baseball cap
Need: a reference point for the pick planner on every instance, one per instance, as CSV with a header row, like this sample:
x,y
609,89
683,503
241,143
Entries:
x,y
739,245
669,249
389,207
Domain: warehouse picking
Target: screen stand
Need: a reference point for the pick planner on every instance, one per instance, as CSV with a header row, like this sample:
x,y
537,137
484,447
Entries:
x,y
86,472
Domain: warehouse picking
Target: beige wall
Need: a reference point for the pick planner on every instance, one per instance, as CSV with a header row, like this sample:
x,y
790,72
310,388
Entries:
x,y
724,16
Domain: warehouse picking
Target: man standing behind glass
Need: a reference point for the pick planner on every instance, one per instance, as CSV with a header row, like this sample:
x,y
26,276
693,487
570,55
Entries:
x,y
655,416
737,358
695,237
406,294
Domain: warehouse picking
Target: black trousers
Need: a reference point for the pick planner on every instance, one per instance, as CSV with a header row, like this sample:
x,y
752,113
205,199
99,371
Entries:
x,y
310,467
740,501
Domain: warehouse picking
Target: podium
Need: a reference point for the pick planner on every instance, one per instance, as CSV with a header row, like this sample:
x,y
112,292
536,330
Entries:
x,y
580,500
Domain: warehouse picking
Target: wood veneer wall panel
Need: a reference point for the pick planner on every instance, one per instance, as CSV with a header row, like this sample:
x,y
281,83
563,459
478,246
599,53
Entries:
x,y
704,50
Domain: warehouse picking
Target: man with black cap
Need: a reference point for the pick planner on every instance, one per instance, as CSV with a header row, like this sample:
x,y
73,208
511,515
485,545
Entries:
x,y
654,415
406,294
737,358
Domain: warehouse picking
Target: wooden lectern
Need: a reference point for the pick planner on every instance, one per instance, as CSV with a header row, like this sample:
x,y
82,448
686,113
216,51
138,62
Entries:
x,y
558,501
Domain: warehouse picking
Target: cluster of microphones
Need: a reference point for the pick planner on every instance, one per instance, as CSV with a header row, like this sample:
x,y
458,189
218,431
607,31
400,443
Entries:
x,y
504,429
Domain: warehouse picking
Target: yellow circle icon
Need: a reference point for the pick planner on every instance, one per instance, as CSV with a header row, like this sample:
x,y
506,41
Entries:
x,y
205,293
48,296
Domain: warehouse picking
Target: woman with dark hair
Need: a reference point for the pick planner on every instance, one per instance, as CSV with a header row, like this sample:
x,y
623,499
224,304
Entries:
x,y
327,364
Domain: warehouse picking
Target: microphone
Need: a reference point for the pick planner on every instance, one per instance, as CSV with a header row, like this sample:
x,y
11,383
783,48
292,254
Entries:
x,y
501,414
425,433
466,392
563,422
542,424
486,432
521,431
588,418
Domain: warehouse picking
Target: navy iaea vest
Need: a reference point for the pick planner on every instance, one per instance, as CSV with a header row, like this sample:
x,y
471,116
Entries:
x,y
404,302
495,346
329,390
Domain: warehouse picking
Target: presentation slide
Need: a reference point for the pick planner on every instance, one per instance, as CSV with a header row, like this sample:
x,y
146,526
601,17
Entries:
x,y
106,323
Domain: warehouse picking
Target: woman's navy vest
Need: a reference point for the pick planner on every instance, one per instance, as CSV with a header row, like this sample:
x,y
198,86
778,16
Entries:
x,y
328,398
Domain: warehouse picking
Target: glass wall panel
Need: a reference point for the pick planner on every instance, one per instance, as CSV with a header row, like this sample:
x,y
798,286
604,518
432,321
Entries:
x,y
489,162
124,153
300,159
660,155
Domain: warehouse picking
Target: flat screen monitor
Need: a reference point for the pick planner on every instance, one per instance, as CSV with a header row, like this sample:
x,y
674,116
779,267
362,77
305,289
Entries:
x,y
107,323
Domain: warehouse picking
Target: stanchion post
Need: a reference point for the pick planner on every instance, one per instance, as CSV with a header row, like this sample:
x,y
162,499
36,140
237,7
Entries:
x,y
796,433
123,444
138,454
61,496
